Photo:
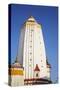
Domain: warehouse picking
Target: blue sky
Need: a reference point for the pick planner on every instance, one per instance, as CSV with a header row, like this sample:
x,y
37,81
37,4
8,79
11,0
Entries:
x,y
48,17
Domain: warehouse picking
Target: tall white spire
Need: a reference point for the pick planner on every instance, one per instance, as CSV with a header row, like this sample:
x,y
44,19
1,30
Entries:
x,y
31,50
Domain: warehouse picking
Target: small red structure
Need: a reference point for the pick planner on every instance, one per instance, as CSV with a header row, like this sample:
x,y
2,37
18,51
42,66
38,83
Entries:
x,y
36,68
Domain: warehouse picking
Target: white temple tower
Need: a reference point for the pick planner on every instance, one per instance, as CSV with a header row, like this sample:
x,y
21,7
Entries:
x,y
31,51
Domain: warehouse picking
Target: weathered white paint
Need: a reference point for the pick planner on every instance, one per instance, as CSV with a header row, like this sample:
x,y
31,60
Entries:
x,y
48,73
17,80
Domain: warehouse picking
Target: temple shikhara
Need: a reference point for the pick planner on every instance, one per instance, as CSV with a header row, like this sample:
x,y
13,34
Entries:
x,y
31,66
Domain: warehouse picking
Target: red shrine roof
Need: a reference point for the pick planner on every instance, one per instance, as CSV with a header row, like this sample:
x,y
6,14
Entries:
x,y
36,68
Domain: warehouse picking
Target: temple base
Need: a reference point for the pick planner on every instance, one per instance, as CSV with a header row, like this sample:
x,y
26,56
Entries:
x,y
36,81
